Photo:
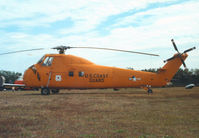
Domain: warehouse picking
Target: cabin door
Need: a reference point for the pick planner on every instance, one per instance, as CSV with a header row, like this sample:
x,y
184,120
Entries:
x,y
57,80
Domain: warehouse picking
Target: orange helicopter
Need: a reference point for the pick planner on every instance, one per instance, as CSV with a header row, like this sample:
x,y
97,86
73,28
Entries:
x,y
59,71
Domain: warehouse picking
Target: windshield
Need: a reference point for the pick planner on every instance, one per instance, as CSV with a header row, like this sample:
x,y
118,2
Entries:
x,y
40,60
48,61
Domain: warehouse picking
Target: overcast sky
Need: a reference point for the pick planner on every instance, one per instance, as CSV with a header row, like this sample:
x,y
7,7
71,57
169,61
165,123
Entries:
x,y
140,25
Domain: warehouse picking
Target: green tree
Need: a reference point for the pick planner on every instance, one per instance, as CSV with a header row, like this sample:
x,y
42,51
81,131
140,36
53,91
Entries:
x,y
184,77
10,76
150,70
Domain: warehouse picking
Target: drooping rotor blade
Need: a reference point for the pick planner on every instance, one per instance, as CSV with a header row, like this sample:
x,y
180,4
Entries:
x,y
19,51
117,50
174,45
190,49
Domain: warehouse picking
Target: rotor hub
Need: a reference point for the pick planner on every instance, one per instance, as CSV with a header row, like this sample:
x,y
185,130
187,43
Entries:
x,y
61,49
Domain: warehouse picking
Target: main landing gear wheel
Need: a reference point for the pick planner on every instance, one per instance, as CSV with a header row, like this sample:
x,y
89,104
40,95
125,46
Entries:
x,y
45,91
55,91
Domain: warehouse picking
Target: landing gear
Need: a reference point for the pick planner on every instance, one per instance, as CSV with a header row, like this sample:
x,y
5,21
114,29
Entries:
x,y
149,91
45,91
55,91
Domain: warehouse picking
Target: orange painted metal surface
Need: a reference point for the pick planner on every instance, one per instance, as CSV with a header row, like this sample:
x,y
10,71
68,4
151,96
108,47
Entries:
x,y
72,72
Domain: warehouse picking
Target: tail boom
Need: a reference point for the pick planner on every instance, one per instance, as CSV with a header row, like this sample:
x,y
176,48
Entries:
x,y
167,72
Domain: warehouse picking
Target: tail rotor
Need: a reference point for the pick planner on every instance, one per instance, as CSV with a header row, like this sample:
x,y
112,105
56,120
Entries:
x,y
179,54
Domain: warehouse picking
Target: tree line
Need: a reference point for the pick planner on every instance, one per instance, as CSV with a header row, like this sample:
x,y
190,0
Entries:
x,y
10,76
182,77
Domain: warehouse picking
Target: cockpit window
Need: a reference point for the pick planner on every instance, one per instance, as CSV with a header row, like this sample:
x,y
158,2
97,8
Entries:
x,y
40,60
48,61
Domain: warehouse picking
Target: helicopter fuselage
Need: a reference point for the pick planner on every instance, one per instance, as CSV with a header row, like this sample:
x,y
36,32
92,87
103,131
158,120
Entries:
x,y
60,71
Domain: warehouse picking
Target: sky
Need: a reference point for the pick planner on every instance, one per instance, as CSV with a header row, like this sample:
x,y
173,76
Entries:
x,y
138,25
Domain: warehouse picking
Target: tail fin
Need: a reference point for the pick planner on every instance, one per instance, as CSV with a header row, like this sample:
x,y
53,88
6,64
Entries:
x,y
167,72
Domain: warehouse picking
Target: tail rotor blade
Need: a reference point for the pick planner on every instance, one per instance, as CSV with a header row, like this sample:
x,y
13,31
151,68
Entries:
x,y
183,62
174,58
169,59
190,49
174,45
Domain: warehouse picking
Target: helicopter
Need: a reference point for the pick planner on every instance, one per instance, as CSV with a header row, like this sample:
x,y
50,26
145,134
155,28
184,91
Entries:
x,y
60,71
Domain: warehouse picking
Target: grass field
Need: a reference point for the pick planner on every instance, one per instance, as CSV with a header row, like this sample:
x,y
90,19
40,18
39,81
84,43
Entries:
x,y
168,113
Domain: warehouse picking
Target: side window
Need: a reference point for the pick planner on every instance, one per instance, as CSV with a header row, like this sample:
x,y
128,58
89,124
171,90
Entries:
x,y
81,74
48,61
71,73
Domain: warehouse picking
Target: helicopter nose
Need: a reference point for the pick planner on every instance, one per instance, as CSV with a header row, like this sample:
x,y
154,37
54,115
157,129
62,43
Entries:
x,y
27,77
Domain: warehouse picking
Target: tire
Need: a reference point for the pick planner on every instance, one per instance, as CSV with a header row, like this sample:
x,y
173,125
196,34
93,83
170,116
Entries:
x,y
45,91
150,91
55,91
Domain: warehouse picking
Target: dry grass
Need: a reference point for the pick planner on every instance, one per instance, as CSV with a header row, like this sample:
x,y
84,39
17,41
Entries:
x,y
169,112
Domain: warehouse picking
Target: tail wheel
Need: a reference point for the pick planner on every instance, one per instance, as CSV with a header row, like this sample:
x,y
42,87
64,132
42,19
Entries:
x,y
45,91
149,91
54,91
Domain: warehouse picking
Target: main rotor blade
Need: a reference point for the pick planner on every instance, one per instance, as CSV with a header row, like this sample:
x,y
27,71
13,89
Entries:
x,y
189,49
22,51
117,50
174,45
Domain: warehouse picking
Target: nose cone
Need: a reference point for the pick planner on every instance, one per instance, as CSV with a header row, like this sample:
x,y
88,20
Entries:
x,y
27,77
